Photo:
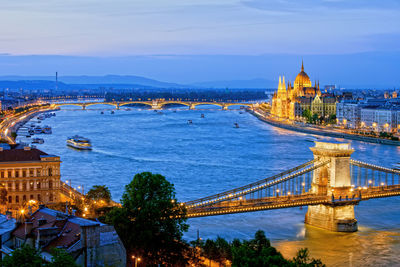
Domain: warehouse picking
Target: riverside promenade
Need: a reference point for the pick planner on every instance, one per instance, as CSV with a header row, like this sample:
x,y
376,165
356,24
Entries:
x,y
264,116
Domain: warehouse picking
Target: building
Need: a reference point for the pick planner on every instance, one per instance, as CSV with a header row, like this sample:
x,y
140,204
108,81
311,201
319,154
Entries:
x,y
89,242
348,113
379,119
290,101
29,174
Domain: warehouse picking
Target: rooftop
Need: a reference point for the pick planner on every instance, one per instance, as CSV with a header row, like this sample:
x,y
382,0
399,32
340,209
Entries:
x,y
18,154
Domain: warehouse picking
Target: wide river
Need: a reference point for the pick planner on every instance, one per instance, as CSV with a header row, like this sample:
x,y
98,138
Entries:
x,y
211,156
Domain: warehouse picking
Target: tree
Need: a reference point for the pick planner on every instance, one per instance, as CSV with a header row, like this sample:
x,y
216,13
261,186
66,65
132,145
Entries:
x,y
25,256
151,222
61,258
303,259
308,115
99,192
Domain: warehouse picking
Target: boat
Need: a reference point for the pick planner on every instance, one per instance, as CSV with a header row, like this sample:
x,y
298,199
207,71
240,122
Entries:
x,y
189,121
31,132
28,136
102,112
37,130
396,166
112,111
37,141
202,116
47,130
41,117
236,125
79,142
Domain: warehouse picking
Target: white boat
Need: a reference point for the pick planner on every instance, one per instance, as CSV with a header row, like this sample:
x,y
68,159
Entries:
x,y
37,130
47,130
41,117
37,141
79,142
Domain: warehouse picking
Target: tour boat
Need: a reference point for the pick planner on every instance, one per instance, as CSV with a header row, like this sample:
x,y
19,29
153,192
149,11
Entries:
x,y
47,130
37,130
79,142
37,141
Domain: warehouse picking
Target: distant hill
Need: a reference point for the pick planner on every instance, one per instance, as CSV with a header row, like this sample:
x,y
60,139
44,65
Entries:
x,y
119,82
72,82
253,83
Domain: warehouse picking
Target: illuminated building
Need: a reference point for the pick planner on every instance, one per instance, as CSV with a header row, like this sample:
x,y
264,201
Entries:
x,y
29,174
291,100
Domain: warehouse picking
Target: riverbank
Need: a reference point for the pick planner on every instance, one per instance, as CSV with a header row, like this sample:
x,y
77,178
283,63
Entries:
x,y
13,123
323,132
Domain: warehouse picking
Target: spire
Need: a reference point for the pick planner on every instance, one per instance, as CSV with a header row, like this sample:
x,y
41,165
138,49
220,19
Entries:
x,y
302,65
280,83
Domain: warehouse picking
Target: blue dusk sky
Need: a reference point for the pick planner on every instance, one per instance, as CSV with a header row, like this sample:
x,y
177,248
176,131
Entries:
x,y
232,37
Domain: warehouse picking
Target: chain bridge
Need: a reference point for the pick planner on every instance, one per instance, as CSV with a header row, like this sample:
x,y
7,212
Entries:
x,y
330,185
153,104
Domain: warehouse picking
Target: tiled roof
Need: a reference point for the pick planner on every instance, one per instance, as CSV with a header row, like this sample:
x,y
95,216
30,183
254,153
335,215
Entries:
x,y
21,155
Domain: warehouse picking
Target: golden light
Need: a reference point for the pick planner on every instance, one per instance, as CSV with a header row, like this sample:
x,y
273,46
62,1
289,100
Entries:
x,y
22,211
370,182
382,183
133,256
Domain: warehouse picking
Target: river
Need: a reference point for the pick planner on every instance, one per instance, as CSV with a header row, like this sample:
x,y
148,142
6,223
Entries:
x,y
211,155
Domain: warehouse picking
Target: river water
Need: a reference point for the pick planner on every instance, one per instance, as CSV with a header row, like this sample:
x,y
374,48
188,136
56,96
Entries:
x,y
210,156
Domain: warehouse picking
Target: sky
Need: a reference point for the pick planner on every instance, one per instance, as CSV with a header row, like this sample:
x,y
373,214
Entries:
x,y
248,28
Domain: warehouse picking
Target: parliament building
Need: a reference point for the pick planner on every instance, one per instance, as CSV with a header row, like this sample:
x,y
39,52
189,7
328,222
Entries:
x,y
291,100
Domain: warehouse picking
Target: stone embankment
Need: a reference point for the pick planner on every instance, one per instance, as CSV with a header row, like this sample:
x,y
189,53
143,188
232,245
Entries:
x,y
261,115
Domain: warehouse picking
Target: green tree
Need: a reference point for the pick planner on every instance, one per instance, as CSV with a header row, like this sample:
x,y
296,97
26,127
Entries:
x,y
303,259
99,192
61,258
151,222
308,115
25,256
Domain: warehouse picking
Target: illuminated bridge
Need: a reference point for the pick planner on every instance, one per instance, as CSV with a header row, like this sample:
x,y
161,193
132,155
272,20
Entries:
x,y
153,104
330,185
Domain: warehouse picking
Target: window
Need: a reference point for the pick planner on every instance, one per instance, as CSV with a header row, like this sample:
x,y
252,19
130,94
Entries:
x,y
16,186
9,186
31,197
51,197
24,173
50,184
50,172
9,199
39,198
16,173
2,174
38,173
9,174
24,198
16,199
31,172
23,186
38,185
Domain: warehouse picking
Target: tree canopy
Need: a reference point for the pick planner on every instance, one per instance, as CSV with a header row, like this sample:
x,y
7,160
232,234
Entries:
x,y
27,256
99,192
151,222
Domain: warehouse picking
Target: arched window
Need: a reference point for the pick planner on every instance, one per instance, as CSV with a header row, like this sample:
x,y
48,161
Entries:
x,y
50,184
38,185
50,172
31,197
39,197
16,199
9,199
24,198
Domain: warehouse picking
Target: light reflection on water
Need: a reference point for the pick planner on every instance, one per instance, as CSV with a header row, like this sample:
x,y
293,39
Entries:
x,y
211,156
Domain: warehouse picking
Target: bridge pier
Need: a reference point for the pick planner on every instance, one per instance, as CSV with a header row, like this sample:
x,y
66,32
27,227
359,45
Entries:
x,y
192,106
83,106
224,107
334,181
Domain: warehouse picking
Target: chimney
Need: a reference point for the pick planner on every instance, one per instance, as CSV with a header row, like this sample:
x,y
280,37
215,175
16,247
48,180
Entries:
x,y
28,228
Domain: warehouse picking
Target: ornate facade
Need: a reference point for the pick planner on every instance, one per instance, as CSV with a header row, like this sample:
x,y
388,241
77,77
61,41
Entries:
x,y
290,101
29,174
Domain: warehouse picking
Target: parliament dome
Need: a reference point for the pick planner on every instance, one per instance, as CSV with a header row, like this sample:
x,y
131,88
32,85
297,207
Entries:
x,y
302,79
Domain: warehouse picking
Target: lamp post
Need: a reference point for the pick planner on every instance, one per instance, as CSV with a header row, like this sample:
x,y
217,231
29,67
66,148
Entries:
x,y
136,259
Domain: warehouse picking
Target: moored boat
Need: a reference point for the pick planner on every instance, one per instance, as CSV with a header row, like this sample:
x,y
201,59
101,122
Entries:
x,y
37,130
47,130
37,141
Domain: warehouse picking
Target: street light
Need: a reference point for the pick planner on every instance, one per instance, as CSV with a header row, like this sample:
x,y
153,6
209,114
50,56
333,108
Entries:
x,y
136,260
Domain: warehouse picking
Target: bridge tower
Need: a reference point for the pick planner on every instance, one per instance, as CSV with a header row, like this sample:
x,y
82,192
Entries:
x,y
117,105
155,104
334,181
